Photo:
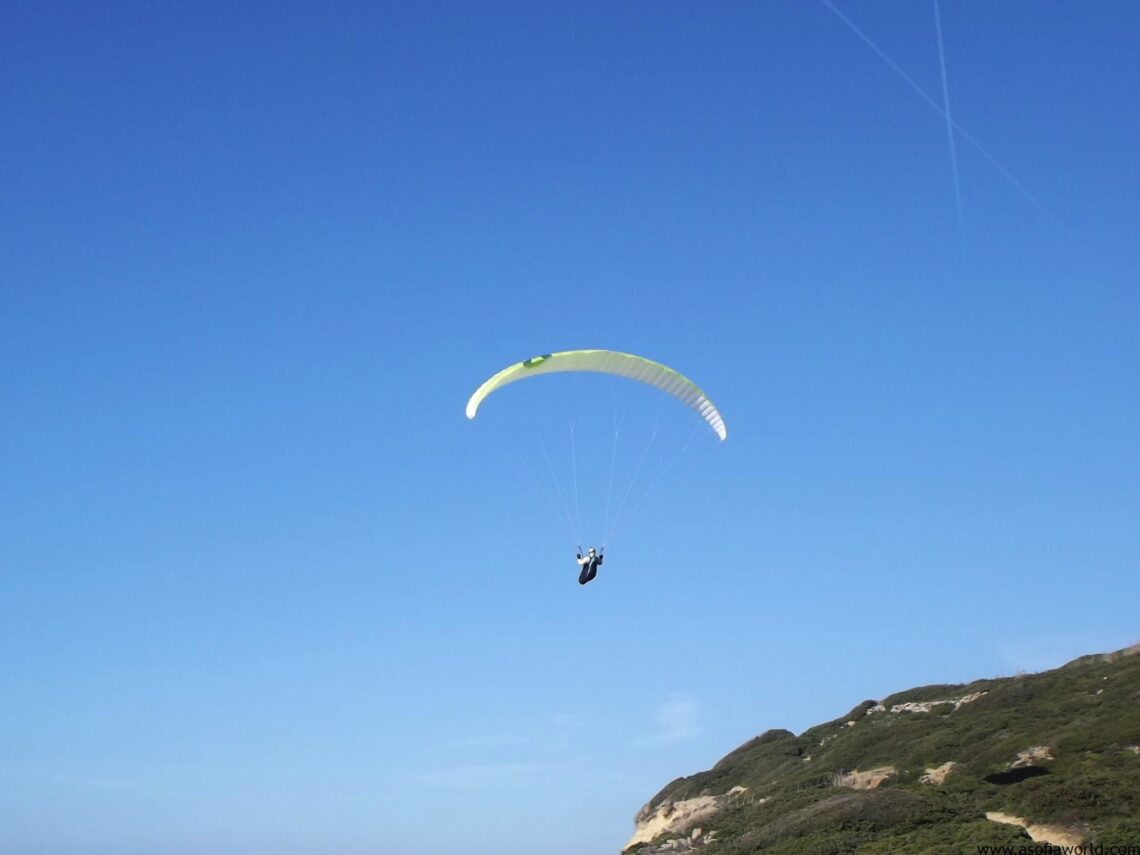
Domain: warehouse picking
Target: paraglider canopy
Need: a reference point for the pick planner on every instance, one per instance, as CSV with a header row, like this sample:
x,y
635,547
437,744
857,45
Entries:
x,y
606,362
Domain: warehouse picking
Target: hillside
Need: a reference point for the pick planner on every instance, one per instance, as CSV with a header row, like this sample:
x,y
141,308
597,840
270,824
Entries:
x,y
1052,757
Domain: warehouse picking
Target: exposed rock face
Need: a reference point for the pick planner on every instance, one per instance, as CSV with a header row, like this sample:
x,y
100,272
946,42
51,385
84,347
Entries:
x,y
927,706
869,780
671,818
1032,756
693,842
937,774
678,818
1054,835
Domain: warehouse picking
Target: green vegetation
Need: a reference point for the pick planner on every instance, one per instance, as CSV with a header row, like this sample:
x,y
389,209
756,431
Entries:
x,y
1057,748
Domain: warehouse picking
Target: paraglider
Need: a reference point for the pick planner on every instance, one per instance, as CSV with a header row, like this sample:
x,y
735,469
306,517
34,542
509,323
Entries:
x,y
616,363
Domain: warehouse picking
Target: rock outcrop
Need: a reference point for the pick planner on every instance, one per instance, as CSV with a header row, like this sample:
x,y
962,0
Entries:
x,y
678,818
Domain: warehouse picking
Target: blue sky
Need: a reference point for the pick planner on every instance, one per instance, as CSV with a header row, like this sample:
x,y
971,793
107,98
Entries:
x,y
263,587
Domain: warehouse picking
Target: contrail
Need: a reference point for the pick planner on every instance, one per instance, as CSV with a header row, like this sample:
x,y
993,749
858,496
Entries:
x,y
962,132
949,121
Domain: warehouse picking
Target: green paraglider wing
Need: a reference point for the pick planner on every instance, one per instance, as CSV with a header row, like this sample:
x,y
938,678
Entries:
x,y
606,362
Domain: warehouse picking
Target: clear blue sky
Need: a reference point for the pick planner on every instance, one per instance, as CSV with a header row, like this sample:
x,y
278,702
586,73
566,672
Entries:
x,y
264,589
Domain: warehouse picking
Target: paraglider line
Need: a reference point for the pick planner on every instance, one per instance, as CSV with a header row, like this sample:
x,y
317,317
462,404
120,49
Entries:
x,y
574,468
542,488
660,477
613,466
557,486
632,481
